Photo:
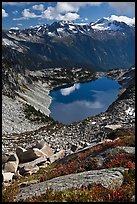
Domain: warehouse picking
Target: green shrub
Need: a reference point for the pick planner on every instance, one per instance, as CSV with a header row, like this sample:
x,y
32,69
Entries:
x,y
36,115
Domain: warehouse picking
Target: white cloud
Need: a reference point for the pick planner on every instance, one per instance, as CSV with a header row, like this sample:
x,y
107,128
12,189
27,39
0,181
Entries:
x,y
125,19
20,24
15,12
120,7
123,7
14,28
69,17
39,7
27,14
18,19
63,7
49,13
74,6
4,14
16,3
88,104
10,3
86,19
66,10
67,91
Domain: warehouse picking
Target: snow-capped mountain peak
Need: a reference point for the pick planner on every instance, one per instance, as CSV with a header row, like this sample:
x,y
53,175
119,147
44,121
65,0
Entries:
x,y
124,19
113,23
61,28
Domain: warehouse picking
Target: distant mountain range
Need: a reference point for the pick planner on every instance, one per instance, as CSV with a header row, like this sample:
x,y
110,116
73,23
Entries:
x,y
100,45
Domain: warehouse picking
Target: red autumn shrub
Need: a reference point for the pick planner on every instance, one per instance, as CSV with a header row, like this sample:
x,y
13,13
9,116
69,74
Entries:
x,y
129,164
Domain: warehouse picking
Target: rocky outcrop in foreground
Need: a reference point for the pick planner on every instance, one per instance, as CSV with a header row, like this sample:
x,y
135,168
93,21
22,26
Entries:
x,y
109,178
28,161
109,164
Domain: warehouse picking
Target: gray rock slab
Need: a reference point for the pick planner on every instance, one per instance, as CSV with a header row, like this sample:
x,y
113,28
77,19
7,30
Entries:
x,y
109,178
129,150
38,161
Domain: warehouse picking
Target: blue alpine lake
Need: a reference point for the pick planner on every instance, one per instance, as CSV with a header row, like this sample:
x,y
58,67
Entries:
x,y
82,100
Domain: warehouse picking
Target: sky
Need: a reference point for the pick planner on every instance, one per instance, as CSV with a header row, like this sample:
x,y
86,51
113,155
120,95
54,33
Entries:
x,y
25,14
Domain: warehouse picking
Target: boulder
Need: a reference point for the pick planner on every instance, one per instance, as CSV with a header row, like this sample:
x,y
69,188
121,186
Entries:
x,y
58,155
17,175
7,176
45,148
113,127
44,165
37,162
12,164
28,155
28,170
40,144
20,152
4,158
73,148
13,157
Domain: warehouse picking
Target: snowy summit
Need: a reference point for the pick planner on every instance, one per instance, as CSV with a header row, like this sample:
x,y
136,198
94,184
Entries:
x,y
113,23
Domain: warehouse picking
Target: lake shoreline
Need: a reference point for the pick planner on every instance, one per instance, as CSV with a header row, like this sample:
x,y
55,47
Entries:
x,y
82,100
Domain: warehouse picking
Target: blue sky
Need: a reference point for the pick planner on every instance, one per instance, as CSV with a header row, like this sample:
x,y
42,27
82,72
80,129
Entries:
x,y
25,14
